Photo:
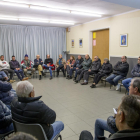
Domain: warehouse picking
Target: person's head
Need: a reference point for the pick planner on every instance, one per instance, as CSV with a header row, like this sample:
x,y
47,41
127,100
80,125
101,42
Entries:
x,y
72,57
106,60
79,57
48,56
26,57
123,59
21,136
96,58
86,56
60,56
13,58
2,57
25,89
128,113
134,87
139,60
38,56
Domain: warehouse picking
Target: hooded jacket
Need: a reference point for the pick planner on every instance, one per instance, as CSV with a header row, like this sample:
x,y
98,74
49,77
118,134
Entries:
x,y
121,68
96,65
14,64
33,110
4,65
86,64
136,71
78,62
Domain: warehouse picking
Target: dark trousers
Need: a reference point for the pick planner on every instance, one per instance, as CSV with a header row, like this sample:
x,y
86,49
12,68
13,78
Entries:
x,y
86,75
71,71
81,73
19,74
9,71
98,77
60,68
68,69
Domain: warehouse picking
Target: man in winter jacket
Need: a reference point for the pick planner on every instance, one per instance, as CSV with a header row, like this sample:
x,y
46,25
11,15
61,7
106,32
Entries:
x,y
84,67
77,64
4,66
27,65
94,69
135,73
14,65
30,109
6,124
47,64
3,76
120,71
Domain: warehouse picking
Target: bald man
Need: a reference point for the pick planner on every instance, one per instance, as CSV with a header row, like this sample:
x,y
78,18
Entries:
x,y
38,65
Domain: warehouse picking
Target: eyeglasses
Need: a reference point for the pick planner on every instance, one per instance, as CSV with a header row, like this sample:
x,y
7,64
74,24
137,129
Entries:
x,y
95,58
115,110
138,59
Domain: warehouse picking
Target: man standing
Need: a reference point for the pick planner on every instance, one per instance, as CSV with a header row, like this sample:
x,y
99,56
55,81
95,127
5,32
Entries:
x,y
27,66
4,66
85,67
47,64
14,65
120,71
38,65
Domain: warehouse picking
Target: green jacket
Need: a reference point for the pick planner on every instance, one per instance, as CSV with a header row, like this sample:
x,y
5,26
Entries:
x,y
86,63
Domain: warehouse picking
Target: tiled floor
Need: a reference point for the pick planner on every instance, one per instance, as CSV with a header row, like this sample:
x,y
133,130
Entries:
x,y
77,106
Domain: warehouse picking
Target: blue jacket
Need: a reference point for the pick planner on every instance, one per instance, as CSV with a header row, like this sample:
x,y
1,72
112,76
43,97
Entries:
x,y
5,93
5,116
136,71
36,62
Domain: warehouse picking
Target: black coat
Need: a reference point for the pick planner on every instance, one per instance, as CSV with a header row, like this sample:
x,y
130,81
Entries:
x,y
95,66
36,62
5,116
32,110
121,68
78,62
106,68
48,61
14,64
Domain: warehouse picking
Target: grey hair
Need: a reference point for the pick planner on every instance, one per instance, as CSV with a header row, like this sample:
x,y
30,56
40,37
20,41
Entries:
x,y
106,59
136,83
131,107
24,88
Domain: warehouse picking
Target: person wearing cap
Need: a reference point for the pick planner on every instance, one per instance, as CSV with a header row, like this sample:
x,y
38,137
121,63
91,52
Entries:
x,y
14,65
27,65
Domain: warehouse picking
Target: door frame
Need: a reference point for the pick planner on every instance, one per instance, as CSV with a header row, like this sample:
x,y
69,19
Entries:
x,y
91,38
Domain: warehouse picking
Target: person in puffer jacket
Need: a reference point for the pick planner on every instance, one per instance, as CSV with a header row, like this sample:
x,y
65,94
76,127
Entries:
x,y
94,69
105,70
6,92
6,124
135,73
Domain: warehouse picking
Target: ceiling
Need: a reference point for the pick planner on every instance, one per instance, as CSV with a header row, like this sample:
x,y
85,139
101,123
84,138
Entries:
x,y
103,7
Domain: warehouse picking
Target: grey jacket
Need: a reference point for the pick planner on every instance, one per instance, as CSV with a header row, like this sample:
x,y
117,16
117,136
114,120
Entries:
x,y
136,71
86,64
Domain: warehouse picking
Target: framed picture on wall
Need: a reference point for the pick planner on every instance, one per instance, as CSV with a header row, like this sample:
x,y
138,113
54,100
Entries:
x,y
123,40
72,43
80,43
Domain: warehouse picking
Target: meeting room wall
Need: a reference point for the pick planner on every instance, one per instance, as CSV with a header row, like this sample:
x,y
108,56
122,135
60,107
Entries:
x,y
32,40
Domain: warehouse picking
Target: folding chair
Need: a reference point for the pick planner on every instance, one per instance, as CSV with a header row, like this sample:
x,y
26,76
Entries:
x,y
2,136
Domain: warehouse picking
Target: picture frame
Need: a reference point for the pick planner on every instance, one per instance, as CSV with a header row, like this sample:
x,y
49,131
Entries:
x,y
72,43
123,40
80,42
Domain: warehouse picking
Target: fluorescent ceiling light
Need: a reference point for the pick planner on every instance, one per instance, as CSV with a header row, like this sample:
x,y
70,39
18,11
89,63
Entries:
x,y
86,14
14,4
56,22
34,20
6,18
49,9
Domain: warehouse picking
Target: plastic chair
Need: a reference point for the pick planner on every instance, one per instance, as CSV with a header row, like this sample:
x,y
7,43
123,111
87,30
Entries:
x,y
33,129
2,136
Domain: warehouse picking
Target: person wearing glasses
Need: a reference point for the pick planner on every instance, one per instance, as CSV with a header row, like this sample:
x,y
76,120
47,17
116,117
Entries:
x,y
94,69
135,73
120,71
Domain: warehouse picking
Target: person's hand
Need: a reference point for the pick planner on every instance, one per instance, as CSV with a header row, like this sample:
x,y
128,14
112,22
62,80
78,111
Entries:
x,y
6,78
89,70
41,61
70,65
48,65
29,67
16,68
56,66
77,68
71,68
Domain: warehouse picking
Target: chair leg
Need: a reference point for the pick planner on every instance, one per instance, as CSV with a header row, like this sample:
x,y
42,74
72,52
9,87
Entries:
x,y
110,86
120,88
105,83
60,137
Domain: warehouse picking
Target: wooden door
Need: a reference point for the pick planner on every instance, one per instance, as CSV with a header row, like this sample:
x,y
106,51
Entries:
x,y
101,44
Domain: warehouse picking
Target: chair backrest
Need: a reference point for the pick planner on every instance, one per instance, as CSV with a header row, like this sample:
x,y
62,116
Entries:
x,y
34,129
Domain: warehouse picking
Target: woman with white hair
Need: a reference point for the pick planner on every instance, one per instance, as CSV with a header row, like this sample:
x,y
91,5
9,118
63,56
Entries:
x,y
29,109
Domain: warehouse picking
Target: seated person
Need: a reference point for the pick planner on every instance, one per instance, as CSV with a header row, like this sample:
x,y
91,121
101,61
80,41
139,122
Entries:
x,y
6,124
4,66
27,65
105,70
135,73
47,64
38,65
120,71
94,69
69,64
14,65
110,125
127,120
3,76
60,64
30,109
84,67
77,63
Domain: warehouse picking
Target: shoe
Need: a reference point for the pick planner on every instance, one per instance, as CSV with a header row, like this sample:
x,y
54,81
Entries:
x,y
11,81
50,78
40,77
118,87
84,83
69,78
67,75
74,78
76,81
29,77
64,75
26,78
93,86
